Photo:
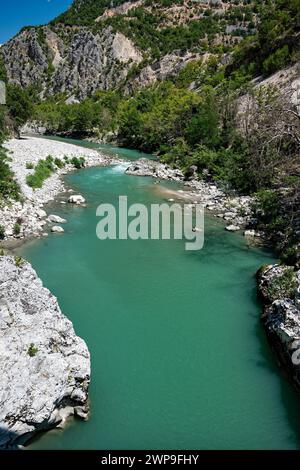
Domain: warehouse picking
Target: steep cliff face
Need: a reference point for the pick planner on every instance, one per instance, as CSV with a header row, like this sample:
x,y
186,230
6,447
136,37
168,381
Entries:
x,y
45,367
73,61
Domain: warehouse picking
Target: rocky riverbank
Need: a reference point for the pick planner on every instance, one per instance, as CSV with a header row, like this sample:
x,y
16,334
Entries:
x,y
279,289
29,215
45,367
234,210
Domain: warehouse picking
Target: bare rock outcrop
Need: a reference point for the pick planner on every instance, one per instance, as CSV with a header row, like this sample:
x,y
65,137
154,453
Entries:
x,y
279,288
73,60
45,367
145,167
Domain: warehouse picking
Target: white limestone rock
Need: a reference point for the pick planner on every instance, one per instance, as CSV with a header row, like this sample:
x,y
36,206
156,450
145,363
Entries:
x,y
76,199
233,228
45,367
56,219
57,229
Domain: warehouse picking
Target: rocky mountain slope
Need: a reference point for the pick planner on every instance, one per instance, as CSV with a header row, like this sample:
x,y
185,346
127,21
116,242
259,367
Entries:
x,y
45,367
89,62
104,45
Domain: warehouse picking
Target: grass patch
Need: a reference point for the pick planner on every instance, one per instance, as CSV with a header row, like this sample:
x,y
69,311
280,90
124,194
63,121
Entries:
x,y
19,261
43,170
78,162
59,163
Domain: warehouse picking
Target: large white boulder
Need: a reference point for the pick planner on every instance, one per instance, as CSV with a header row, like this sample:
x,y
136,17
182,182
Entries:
x,y
233,228
76,199
56,219
57,229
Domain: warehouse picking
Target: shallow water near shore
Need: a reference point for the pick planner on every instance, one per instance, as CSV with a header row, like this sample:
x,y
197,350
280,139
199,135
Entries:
x,y
179,358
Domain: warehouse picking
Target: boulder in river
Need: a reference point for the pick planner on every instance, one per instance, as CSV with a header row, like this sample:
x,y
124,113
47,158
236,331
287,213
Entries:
x,y
252,233
76,199
57,229
145,167
233,228
56,219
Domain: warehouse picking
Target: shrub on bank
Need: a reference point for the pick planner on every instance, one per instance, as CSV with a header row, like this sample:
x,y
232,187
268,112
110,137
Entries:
x,y
29,166
2,232
17,228
43,170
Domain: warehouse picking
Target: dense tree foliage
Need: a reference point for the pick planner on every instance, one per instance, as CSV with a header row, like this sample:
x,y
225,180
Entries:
x,y
9,189
97,114
19,105
276,43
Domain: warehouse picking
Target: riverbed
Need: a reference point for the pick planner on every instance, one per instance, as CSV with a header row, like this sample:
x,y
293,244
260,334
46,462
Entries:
x,y
179,358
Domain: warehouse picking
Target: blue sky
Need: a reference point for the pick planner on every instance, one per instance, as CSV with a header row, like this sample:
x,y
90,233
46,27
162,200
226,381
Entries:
x,y
14,14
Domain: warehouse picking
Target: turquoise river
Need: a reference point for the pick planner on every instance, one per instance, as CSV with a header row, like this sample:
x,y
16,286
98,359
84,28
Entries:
x,y
179,358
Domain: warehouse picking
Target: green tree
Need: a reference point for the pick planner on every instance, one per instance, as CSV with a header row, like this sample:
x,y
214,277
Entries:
x,y
19,105
203,127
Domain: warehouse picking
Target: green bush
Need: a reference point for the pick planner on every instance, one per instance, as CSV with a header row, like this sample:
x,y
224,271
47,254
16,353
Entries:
x,y
19,261
2,232
17,228
291,255
59,163
277,60
32,350
9,189
29,166
283,286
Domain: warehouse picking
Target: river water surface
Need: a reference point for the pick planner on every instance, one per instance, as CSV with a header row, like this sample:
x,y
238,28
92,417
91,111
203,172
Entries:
x,y
179,359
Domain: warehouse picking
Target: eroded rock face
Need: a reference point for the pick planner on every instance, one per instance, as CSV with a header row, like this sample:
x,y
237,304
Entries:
x,y
168,66
281,315
45,367
74,60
